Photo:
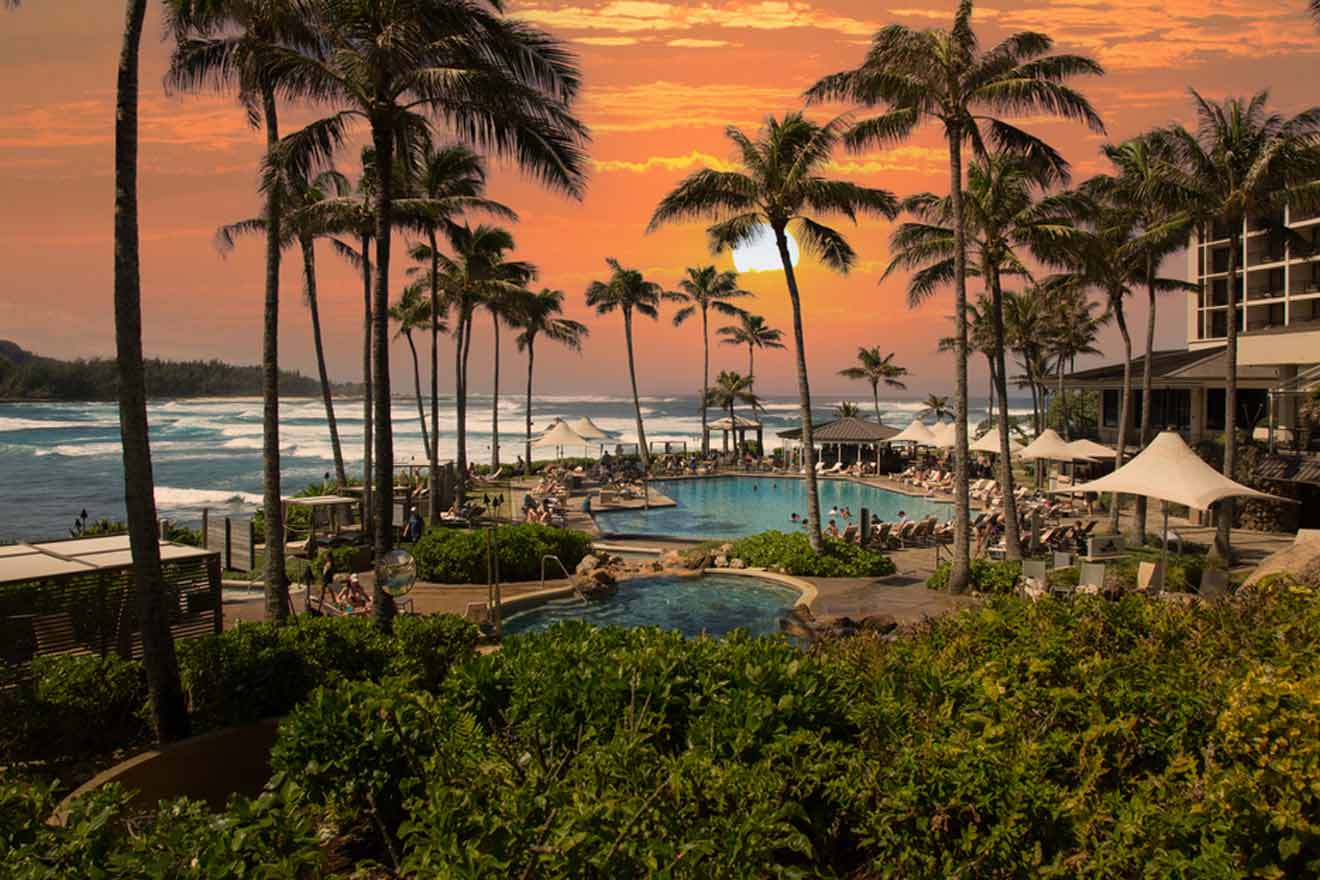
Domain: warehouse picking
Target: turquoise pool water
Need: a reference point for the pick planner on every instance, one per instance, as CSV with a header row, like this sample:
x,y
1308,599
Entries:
x,y
732,507
713,604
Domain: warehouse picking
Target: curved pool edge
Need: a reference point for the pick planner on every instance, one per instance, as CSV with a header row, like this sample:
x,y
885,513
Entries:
x,y
529,601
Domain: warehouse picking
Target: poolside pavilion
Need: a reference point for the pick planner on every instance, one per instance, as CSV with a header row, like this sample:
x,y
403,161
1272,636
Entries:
x,y
843,434
738,426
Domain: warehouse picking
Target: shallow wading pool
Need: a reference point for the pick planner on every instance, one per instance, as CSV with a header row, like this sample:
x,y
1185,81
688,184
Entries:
x,y
714,604
734,507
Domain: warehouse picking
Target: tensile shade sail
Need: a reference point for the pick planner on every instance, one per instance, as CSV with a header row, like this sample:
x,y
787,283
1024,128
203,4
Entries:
x,y
990,443
915,433
1049,446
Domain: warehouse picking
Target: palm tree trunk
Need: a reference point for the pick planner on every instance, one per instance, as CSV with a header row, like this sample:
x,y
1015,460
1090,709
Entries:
x,y
1063,401
705,381
277,587
804,395
417,390
1139,534
382,136
460,400
875,398
1012,539
960,573
169,713
642,448
495,400
1124,406
751,363
531,359
1224,533
309,277
367,416
433,495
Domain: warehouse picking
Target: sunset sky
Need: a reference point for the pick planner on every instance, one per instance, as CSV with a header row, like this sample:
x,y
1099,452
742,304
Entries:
x,y
662,80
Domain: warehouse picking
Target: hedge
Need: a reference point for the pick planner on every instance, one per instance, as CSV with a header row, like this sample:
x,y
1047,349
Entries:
x,y
792,554
1086,739
459,556
74,707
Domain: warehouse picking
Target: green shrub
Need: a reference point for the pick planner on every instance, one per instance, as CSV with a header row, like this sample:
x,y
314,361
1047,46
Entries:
x,y
792,554
986,576
73,705
427,646
458,556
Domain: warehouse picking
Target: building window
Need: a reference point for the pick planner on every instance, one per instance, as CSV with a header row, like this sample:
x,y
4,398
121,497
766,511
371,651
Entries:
x,y
1214,409
1252,408
1109,401
1169,408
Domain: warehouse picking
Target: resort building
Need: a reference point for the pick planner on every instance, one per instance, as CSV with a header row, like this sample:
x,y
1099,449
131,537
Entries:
x,y
1278,323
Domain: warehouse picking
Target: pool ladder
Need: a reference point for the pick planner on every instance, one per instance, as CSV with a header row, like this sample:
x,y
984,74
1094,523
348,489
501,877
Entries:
x,y
559,562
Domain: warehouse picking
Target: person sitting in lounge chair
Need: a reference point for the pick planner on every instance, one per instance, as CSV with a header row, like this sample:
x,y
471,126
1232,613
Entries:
x,y
832,530
353,597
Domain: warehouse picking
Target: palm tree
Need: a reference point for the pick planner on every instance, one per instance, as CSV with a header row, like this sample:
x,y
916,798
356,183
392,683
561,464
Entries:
x,y
875,369
751,331
233,44
169,712
392,64
731,388
702,290
413,312
1141,188
846,409
937,406
1027,330
540,314
628,292
451,178
503,307
942,76
299,226
476,273
981,340
781,184
1241,162
1002,218
1073,328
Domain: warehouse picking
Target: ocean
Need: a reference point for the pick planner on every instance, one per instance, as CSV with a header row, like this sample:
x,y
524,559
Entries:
x,y
58,459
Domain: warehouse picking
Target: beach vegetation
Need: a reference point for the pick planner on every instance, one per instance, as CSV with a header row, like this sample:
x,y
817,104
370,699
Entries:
x,y
541,314
876,369
705,288
753,332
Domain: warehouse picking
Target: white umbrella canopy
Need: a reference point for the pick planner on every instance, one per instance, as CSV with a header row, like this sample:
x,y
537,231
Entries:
x,y
990,443
1090,449
588,429
1168,470
945,435
1049,446
916,432
559,435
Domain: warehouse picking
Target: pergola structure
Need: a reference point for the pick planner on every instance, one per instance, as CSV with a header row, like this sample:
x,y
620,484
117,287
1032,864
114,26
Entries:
x,y
78,597
848,431
738,426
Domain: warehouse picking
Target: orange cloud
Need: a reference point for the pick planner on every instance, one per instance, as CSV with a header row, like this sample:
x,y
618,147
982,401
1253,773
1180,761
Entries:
x,y
698,44
630,16
695,159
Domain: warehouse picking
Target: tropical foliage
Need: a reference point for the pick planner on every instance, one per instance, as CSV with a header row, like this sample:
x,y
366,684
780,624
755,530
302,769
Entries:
x,y
541,315
792,554
876,369
753,332
704,289
461,556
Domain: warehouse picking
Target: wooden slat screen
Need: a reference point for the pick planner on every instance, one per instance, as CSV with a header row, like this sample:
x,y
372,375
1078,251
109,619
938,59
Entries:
x,y
96,612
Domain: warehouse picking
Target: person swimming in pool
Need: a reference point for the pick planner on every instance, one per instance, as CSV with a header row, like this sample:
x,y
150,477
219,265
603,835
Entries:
x,y
834,511
793,517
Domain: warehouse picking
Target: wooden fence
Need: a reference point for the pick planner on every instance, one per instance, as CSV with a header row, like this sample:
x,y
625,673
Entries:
x,y
95,612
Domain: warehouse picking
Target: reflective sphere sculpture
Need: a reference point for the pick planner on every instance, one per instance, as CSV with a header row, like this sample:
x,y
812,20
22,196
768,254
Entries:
x,y
396,572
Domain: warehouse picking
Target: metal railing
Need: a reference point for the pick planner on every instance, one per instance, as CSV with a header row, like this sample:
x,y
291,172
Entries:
x,y
558,562
1297,386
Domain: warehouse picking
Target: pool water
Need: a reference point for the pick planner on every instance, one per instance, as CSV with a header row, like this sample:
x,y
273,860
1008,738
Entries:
x,y
733,507
713,604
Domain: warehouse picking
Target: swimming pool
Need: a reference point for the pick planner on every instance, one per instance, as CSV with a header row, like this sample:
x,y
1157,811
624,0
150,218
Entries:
x,y
713,604
732,507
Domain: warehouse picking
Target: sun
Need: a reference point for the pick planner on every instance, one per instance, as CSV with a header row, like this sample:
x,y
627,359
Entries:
x,y
761,255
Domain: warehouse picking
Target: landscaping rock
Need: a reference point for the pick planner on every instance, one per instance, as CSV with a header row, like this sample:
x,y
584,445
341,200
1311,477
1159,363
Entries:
x,y
672,559
721,561
599,584
725,549
587,565
799,622
737,563
698,561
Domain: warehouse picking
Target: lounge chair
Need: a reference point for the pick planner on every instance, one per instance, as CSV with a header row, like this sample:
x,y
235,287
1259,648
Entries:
x,y
1214,583
1150,576
1092,578
880,535
904,532
1035,578
849,535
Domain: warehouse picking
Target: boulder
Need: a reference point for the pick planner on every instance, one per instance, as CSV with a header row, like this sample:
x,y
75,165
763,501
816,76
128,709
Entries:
x,y
799,622
737,563
672,559
698,561
587,565
721,561
599,584
1301,559
725,549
